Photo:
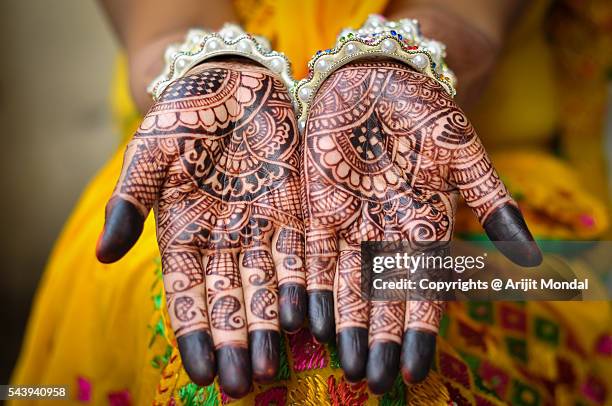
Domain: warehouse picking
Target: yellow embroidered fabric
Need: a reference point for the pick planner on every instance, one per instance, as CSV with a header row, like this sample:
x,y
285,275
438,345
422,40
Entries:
x,y
102,329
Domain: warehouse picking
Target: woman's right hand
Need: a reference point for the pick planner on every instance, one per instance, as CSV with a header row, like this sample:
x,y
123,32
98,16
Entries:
x,y
217,157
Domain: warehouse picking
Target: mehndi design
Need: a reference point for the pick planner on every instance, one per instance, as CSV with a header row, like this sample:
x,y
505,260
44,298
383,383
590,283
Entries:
x,y
387,152
217,156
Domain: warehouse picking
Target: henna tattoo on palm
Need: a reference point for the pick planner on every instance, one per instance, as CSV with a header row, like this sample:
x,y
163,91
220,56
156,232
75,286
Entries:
x,y
387,153
218,158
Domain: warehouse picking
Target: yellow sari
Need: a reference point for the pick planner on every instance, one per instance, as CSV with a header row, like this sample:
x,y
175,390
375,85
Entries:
x,y
103,331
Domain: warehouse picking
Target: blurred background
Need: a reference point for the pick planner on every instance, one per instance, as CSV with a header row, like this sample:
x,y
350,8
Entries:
x,y
54,87
57,65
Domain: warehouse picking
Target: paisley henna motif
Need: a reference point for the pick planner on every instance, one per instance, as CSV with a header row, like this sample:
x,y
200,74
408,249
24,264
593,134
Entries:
x,y
387,153
218,157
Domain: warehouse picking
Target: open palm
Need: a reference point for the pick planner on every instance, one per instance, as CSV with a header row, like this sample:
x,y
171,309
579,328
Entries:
x,y
387,152
217,156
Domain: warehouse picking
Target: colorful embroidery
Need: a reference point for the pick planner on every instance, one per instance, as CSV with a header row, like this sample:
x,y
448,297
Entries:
x,y
480,401
306,352
334,360
481,311
343,393
517,348
472,337
432,391
160,361
194,395
309,391
396,396
524,395
283,369
454,369
494,379
513,318
546,330
274,396
457,399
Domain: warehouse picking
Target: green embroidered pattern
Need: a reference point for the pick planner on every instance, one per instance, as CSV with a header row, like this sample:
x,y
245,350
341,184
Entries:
x,y
481,311
160,361
396,396
283,368
523,395
158,329
334,360
546,331
194,395
517,348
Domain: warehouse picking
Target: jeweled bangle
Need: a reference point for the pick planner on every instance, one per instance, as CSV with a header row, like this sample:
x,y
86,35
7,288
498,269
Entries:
x,y
200,45
400,40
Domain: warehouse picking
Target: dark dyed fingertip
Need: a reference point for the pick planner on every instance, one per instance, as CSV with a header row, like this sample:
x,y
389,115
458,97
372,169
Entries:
x,y
292,306
265,354
234,370
321,315
122,227
353,352
507,229
383,366
198,356
418,352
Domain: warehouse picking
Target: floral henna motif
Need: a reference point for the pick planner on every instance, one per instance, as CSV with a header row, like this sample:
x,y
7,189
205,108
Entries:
x,y
424,315
218,157
387,320
351,310
387,153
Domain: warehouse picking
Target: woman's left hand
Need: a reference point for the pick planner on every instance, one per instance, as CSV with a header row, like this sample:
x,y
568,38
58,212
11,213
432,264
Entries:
x,y
387,152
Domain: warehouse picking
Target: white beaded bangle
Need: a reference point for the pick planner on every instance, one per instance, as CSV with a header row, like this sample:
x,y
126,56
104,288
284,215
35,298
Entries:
x,y
401,40
200,45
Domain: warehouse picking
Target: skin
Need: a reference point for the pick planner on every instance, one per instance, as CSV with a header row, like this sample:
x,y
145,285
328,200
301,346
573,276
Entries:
x,y
472,30
145,28
387,153
217,157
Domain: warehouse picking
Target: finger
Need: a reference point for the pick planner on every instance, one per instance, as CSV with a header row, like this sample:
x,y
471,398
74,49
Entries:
x,y
134,195
261,299
321,259
351,314
485,193
387,318
225,303
507,229
183,276
419,343
288,254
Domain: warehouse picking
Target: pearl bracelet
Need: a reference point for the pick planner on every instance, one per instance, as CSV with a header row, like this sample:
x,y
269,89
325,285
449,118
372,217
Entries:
x,y
401,40
200,45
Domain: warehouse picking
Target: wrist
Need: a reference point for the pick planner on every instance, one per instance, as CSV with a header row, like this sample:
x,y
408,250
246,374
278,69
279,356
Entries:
x,y
471,50
145,63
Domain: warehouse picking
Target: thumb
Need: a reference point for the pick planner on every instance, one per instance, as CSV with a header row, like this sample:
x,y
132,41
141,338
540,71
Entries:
x,y
136,191
487,196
